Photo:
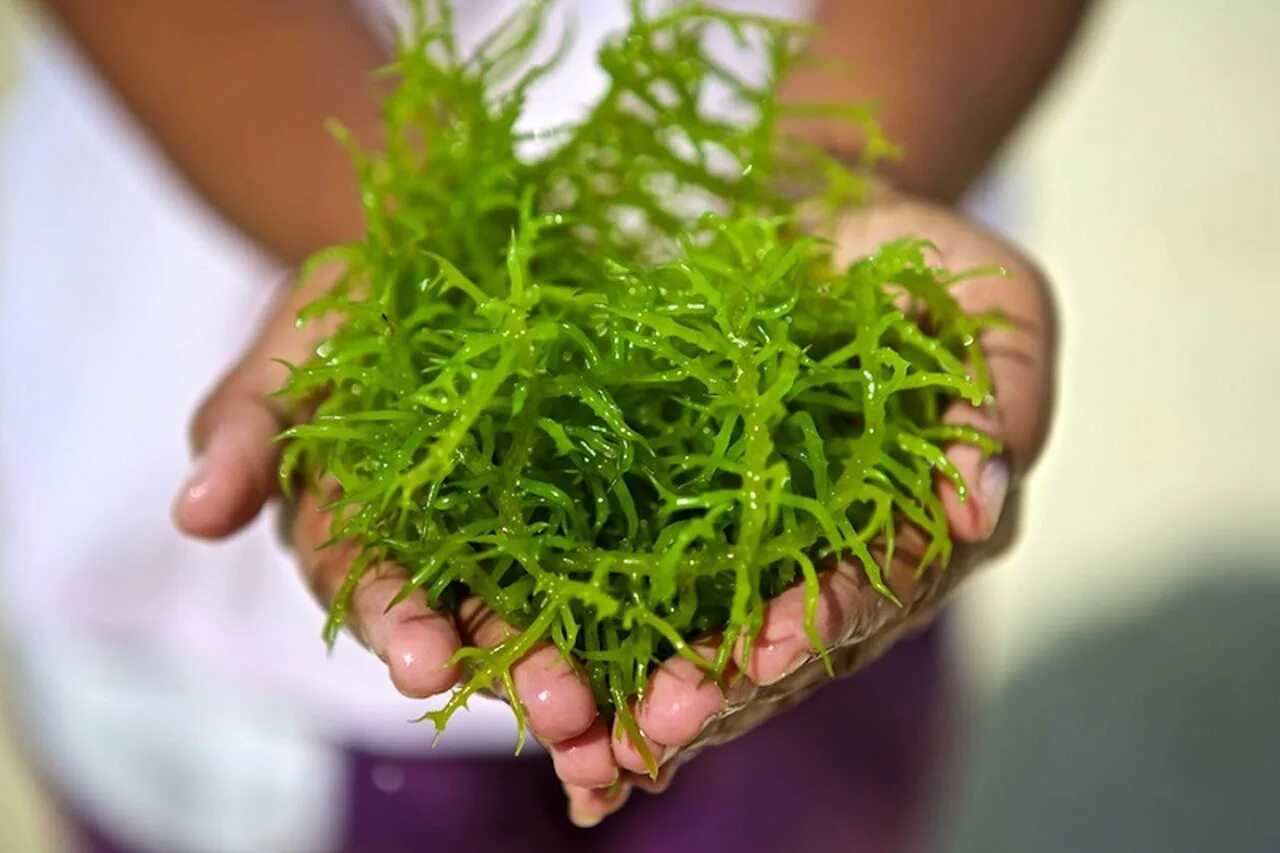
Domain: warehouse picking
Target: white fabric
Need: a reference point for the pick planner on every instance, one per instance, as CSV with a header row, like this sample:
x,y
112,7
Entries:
x,y
153,670
166,760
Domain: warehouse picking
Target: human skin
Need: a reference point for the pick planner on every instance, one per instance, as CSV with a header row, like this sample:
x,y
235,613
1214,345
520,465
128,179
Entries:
x,y
236,93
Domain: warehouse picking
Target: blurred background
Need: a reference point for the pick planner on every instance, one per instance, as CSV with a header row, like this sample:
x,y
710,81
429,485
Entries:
x,y
1121,663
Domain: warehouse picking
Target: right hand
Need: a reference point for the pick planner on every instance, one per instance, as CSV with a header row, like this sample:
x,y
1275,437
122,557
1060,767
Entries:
x,y
234,476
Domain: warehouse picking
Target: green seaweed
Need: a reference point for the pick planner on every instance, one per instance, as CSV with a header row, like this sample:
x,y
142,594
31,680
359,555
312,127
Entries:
x,y
613,387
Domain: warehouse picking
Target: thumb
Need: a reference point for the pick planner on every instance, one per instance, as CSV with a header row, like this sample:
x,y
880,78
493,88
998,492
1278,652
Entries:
x,y
233,472
1020,355
1020,359
233,434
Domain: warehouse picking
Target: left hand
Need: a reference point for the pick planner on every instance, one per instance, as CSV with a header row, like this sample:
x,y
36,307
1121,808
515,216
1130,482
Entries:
x,y
682,712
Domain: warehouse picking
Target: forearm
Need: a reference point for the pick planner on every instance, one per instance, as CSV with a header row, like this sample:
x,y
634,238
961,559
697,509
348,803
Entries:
x,y
953,78
237,93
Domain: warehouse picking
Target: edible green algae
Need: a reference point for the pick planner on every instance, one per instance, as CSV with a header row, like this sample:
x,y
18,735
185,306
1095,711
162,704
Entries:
x,y
615,389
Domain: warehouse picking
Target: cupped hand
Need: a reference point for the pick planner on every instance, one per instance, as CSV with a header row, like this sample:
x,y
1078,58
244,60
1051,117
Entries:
x,y
234,476
682,712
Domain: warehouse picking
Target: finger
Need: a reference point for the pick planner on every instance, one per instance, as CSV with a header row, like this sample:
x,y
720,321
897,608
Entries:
x,y
586,761
232,435
681,699
554,693
973,517
845,606
628,755
416,642
589,806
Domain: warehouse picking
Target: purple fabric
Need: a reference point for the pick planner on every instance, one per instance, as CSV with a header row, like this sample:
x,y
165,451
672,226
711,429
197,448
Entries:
x,y
850,769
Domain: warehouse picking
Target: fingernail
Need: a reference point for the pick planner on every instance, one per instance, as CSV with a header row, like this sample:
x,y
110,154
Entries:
x,y
197,485
993,483
584,818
